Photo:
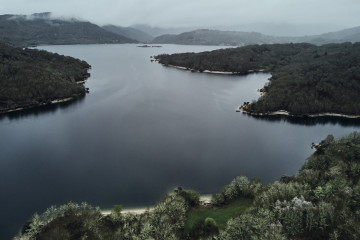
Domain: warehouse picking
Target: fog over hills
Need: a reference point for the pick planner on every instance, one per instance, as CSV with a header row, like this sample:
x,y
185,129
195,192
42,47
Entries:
x,y
130,32
216,37
345,35
283,28
156,31
280,18
44,28
237,38
38,29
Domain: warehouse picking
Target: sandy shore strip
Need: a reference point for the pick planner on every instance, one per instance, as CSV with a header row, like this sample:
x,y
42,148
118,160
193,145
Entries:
x,y
208,71
204,200
81,82
286,113
39,105
136,211
62,100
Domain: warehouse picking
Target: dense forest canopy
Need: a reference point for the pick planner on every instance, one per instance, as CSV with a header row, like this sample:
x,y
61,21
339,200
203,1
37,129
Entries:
x,y
306,79
30,77
321,202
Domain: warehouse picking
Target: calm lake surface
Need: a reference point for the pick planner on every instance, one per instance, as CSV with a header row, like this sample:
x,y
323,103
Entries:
x,y
141,131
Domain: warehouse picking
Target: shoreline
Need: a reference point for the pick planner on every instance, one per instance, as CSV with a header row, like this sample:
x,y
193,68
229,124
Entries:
x,y
262,93
286,113
205,200
135,211
211,72
82,82
56,101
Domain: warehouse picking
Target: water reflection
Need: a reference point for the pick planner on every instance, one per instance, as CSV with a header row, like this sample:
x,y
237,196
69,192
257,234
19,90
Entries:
x,y
42,110
143,130
309,121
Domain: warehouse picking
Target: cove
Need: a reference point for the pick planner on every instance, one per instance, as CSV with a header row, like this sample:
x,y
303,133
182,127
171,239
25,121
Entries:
x,y
141,131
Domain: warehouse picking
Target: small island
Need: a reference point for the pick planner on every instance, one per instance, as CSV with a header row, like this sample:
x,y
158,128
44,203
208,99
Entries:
x,y
307,80
31,78
149,46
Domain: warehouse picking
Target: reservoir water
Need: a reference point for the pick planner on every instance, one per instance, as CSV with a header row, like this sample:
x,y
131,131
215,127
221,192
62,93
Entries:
x,y
141,131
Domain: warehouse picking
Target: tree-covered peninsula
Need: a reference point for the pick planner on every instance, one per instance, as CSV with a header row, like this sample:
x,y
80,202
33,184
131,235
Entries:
x,y
321,202
29,78
306,79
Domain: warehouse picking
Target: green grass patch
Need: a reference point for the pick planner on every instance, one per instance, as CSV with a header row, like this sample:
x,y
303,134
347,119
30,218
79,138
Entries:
x,y
220,214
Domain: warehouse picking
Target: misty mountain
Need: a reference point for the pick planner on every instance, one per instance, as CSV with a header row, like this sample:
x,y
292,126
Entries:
x,y
129,32
216,37
237,38
158,31
282,29
346,35
37,29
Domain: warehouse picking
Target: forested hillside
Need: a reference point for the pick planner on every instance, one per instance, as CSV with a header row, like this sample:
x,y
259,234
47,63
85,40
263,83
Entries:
x,y
129,32
345,35
40,29
215,37
321,202
306,79
158,31
31,78
241,38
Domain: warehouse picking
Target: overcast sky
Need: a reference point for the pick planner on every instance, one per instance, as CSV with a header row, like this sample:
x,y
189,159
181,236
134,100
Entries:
x,y
185,13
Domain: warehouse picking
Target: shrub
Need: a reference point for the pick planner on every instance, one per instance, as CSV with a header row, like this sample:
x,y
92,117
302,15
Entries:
x,y
211,226
240,186
191,197
117,209
280,191
210,222
255,225
218,199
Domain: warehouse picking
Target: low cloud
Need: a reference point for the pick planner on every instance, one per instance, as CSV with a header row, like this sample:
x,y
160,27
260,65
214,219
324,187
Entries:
x,y
187,13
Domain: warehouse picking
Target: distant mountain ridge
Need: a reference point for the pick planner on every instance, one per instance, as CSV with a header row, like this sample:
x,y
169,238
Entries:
x,y
282,29
345,35
158,31
237,38
217,37
130,32
41,28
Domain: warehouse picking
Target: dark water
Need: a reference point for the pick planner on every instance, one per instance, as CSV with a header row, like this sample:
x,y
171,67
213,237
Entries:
x,y
141,131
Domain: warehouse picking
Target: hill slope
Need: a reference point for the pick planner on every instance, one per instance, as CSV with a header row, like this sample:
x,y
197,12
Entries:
x,y
216,37
346,35
237,38
129,32
157,31
39,29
